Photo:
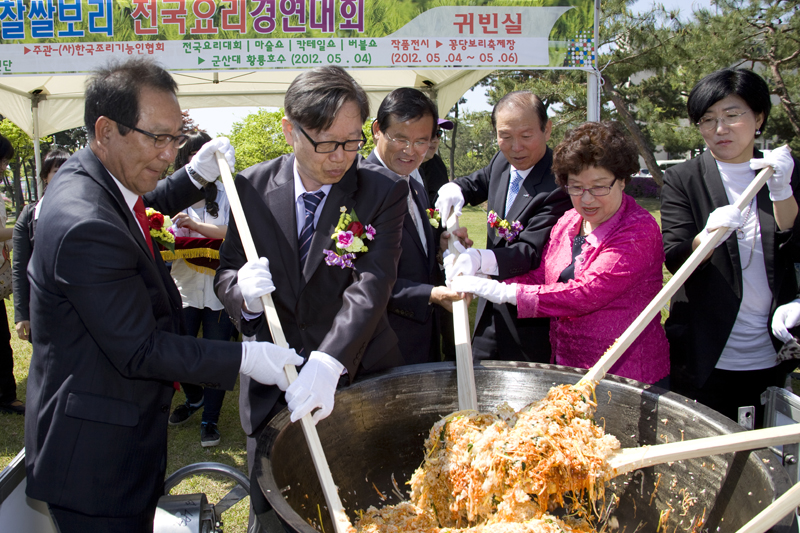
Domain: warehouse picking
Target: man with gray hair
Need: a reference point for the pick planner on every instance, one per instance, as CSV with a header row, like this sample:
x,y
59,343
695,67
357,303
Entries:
x,y
331,301
519,186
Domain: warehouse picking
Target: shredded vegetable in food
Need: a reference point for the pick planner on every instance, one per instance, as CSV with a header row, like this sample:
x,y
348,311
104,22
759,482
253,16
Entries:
x,y
502,472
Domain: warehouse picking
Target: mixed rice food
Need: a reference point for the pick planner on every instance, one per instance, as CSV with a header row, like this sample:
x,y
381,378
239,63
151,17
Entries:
x,y
504,472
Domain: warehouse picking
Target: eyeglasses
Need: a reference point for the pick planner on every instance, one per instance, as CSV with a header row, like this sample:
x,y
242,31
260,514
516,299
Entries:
x,y
404,143
709,124
328,147
594,191
161,140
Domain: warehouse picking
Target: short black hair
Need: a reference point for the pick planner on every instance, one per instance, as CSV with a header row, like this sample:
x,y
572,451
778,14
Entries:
x,y
405,104
521,99
6,149
113,91
54,159
743,83
315,97
197,139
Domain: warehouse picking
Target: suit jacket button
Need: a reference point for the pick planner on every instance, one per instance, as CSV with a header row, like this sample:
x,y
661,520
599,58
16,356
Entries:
x,y
302,327
165,408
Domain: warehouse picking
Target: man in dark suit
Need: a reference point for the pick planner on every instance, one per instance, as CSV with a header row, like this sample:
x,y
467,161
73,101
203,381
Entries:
x,y
405,124
106,317
335,317
519,186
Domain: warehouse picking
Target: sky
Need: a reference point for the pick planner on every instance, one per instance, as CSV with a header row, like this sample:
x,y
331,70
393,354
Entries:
x,y
219,121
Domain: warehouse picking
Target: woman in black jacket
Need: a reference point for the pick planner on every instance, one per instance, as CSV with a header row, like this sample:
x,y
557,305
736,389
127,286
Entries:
x,y
722,349
23,247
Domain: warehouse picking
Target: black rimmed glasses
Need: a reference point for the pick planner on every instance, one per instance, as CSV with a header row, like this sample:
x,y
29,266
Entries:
x,y
160,140
709,124
573,190
328,147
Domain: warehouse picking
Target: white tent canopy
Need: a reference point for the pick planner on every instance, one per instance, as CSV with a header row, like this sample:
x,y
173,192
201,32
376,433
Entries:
x,y
60,105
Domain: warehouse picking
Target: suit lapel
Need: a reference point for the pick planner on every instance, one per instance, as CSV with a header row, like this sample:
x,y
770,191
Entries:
x,y
280,201
719,198
98,172
418,193
342,194
766,219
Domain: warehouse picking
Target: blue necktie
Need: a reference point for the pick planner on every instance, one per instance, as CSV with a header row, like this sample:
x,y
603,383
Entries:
x,y
513,189
311,201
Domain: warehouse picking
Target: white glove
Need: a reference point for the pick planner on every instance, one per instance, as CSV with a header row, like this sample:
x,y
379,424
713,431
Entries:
x,y
204,161
785,317
780,184
314,387
494,291
264,362
467,263
449,197
727,216
255,281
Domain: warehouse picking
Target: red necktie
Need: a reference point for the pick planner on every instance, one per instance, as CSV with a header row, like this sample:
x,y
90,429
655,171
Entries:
x,y
141,218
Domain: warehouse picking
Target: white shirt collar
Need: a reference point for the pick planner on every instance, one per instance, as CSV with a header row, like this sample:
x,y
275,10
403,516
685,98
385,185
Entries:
x,y
299,188
129,196
523,173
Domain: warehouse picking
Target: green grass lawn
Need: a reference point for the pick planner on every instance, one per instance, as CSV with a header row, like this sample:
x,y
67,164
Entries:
x,y
184,440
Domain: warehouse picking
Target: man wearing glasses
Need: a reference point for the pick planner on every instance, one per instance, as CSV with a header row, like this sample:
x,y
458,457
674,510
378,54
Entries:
x,y
403,128
334,316
106,321
518,185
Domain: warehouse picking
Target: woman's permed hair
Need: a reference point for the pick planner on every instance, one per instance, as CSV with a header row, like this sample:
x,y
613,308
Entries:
x,y
595,144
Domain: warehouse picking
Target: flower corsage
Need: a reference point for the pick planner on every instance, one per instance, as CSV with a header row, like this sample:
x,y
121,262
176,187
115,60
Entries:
x,y
349,237
158,229
434,217
505,229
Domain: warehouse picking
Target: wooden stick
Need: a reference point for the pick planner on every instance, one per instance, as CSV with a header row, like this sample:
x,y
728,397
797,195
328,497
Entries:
x,y
630,459
341,524
774,512
465,374
602,366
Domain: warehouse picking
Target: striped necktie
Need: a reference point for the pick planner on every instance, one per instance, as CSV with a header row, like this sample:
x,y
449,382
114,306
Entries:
x,y
513,189
311,201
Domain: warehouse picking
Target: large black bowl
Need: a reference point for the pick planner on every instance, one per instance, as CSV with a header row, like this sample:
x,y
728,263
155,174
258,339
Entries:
x,y
378,427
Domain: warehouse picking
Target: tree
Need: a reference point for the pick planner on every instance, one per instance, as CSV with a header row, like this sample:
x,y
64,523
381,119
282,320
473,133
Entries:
x,y
258,137
759,34
22,165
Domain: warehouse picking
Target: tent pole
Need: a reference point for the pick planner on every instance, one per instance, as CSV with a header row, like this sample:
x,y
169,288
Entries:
x,y
35,97
593,76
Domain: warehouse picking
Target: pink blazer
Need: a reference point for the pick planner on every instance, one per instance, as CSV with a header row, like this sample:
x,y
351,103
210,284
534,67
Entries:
x,y
616,275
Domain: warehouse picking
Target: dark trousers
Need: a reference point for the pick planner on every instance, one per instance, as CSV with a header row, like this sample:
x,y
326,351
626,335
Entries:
x,y
216,326
726,390
68,521
493,339
8,387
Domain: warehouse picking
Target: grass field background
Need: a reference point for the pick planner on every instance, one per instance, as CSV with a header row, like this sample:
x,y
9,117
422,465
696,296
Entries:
x,y
184,440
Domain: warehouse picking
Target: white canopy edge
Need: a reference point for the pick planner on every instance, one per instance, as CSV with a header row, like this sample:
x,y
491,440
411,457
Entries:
x,y
61,105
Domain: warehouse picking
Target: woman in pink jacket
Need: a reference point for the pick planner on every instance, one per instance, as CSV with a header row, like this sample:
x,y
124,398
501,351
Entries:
x,y
602,265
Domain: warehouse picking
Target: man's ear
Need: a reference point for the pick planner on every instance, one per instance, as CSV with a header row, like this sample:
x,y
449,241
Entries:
x,y
376,130
103,129
287,127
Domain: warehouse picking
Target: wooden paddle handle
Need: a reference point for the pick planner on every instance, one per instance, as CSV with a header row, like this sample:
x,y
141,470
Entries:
x,y
598,371
338,516
465,374
631,459
773,513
